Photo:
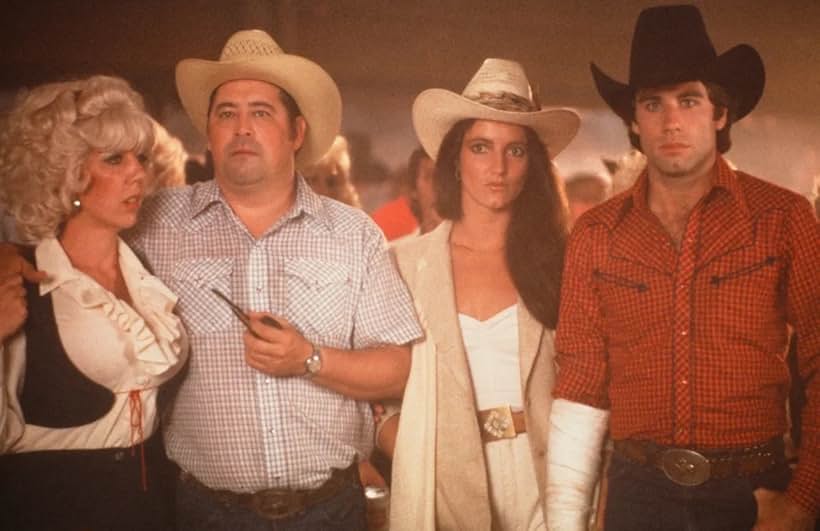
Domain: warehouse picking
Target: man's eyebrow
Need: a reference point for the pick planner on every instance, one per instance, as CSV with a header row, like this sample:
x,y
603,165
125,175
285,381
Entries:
x,y
645,96
688,93
253,104
264,104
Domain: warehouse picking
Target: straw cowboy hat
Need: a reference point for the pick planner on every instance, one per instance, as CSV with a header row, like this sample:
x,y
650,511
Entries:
x,y
499,91
670,46
253,54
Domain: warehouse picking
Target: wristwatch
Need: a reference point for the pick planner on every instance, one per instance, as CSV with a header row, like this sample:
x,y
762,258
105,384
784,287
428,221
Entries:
x,y
313,363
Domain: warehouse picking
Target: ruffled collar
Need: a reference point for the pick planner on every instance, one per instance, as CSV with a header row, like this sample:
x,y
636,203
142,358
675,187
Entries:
x,y
156,331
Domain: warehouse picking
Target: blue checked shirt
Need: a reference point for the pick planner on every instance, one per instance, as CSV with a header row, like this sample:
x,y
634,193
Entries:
x,y
325,268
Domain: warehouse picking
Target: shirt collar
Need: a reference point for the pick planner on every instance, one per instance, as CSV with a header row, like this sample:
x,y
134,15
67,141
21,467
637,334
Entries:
x,y
310,205
204,195
725,181
52,258
307,201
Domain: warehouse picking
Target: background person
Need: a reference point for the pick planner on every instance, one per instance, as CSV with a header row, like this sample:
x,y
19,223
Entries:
x,y
168,158
584,191
421,191
330,175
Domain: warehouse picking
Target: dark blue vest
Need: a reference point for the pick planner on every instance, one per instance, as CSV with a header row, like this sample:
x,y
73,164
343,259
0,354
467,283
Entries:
x,y
55,393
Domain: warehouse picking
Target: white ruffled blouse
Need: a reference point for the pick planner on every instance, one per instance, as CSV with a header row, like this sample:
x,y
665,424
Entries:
x,y
129,349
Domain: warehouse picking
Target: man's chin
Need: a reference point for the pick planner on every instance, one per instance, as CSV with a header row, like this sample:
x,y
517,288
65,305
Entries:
x,y
673,168
241,176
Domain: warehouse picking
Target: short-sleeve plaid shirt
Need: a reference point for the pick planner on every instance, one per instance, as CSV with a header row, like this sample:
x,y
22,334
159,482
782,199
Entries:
x,y
325,268
687,345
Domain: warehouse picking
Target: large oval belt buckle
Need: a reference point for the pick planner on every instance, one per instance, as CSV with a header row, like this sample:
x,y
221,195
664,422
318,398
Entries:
x,y
685,467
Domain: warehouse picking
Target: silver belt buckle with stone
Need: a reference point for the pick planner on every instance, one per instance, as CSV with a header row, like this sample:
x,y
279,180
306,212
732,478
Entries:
x,y
685,467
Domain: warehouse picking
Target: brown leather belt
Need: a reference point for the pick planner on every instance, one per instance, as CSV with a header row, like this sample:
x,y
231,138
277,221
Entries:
x,y
694,467
275,504
501,423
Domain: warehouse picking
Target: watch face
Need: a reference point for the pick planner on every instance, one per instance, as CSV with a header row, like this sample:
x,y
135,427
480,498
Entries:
x,y
314,363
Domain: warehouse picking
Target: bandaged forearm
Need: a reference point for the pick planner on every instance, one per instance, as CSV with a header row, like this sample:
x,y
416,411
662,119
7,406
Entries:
x,y
574,459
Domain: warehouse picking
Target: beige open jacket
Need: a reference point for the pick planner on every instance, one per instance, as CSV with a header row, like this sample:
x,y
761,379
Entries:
x,y
439,474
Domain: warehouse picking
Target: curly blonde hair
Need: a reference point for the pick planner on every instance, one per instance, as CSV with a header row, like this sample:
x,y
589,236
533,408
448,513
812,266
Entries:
x,y
168,158
47,137
330,175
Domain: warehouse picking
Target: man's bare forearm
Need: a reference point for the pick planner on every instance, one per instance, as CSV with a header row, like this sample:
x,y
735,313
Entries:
x,y
368,374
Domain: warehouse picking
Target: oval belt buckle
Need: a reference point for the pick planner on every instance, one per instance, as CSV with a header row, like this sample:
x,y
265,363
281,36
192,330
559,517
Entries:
x,y
685,467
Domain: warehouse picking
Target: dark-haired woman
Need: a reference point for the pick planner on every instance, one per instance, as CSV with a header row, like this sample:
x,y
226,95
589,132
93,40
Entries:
x,y
474,420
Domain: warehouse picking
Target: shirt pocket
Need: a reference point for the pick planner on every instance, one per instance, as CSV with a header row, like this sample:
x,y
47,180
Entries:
x,y
319,298
745,299
193,281
737,274
624,301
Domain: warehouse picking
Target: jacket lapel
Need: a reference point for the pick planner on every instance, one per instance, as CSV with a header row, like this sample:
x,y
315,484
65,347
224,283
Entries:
x,y
435,274
462,495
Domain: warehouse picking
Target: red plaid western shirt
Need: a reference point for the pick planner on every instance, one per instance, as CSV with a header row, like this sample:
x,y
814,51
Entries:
x,y
687,346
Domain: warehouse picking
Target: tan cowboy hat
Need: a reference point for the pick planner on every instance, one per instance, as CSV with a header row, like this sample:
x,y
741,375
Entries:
x,y
253,54
499,91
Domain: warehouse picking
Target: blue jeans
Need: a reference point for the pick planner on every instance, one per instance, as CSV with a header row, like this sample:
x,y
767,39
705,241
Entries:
x,y
197,510
644,498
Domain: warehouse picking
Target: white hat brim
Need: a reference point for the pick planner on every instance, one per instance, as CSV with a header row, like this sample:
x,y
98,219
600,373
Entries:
x,y
310,86
436,111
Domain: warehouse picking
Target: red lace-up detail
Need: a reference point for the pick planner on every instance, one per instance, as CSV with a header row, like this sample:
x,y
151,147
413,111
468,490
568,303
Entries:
x,y
137,434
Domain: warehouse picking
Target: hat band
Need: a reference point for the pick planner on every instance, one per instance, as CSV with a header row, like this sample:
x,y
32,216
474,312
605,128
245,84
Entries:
x,y
503,101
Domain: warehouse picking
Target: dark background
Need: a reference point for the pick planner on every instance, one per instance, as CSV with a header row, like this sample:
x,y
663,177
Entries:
x,y
382,53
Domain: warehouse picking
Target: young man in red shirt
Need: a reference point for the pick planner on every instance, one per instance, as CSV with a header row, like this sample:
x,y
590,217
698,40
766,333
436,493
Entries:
x,y
679,300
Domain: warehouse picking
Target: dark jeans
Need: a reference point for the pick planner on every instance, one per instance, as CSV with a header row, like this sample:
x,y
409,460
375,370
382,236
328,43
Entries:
x,y
643,498
71,490
197,510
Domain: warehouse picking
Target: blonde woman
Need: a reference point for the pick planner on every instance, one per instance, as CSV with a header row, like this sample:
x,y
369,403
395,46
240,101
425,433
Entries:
x,y
473,425
83,367
330,175
168,159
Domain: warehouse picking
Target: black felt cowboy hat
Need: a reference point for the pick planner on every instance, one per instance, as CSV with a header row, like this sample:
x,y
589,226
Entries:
x,y
670,46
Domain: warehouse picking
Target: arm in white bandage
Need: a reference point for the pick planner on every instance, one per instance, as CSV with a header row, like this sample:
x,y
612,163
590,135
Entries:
x,y
574,458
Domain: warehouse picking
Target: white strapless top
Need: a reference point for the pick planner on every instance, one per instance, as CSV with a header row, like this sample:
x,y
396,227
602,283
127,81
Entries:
x,y
492,353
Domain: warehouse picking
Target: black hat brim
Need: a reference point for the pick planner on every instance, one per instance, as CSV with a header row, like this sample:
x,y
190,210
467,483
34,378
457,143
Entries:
x,y
739,71
616,94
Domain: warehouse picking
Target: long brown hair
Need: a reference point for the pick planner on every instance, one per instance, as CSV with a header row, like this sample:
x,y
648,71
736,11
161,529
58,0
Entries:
x,y
537,234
